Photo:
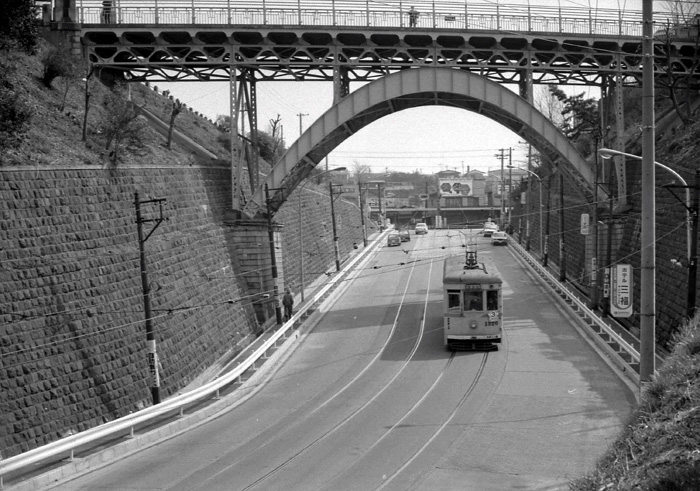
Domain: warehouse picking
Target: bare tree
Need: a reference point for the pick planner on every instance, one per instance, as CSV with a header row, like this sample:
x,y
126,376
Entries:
x,y
121,123
89,70
177,107
684,25
276,133
549,105
360,170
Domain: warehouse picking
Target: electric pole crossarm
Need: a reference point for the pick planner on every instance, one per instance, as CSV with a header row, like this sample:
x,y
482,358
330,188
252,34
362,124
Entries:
x,y
157,221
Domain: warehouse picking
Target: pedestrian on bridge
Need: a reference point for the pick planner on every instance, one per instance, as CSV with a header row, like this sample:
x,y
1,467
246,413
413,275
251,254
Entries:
x,y
107,12
412,17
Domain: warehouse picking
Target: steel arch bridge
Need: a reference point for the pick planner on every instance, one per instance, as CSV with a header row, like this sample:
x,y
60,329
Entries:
x,y
248,41
408,89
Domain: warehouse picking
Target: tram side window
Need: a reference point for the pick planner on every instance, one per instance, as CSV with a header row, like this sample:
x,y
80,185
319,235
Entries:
x,y
473,301
492,300
453,300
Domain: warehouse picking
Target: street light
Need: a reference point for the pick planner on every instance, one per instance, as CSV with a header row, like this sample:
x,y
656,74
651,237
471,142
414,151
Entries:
x,y
301,234
528,216
647,338
691,223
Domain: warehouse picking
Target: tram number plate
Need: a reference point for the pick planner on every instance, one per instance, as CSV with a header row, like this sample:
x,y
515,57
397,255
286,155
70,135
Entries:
x,y
491,323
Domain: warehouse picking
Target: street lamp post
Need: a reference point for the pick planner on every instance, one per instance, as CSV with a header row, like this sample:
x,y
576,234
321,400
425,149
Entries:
x,y
301,229
647,338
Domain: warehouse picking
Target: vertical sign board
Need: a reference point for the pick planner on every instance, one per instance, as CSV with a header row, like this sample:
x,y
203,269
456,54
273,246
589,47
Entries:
x,y
585,224
621,290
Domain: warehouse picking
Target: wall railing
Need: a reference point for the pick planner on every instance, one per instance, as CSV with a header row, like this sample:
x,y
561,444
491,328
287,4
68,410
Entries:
x,y
443,15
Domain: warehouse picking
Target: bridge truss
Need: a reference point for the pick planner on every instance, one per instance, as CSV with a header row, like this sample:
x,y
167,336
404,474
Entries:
x,y
350,41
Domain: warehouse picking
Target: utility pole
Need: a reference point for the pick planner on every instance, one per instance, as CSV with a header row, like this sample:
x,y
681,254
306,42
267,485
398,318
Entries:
x,y
545,248
362,213
301,130
510,184
381,217
151,354
502,155
693,257
335,230
562,251
273,259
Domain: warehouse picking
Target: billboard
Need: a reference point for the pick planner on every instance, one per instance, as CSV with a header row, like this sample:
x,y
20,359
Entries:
x,y
457,186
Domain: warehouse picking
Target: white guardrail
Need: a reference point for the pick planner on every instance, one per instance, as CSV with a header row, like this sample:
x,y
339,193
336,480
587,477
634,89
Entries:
x,y
65,447
583,309
444,14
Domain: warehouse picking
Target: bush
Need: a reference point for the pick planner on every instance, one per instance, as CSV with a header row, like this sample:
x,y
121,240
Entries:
x,y
15,113
56,63
18,25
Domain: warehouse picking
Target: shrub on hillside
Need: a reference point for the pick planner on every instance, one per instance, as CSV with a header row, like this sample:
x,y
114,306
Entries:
x,y
15,113
18,25
55,63
122,127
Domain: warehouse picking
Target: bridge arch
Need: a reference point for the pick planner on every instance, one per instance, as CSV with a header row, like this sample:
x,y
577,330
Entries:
x,y
414,88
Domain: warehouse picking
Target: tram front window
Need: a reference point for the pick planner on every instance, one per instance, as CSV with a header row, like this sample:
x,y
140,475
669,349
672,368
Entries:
x,y
492,300
473,301
453,300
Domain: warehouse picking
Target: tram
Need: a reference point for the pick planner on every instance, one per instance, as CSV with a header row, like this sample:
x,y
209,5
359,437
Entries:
x,y
472,303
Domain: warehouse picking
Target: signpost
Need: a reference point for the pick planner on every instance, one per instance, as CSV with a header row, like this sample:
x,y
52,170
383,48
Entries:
x,y
621,291
585,224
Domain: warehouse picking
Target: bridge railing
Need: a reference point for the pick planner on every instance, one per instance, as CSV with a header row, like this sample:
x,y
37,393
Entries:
x,y
443,15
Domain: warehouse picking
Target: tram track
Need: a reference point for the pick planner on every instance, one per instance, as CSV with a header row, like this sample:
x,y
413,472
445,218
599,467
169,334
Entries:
x,y
390,338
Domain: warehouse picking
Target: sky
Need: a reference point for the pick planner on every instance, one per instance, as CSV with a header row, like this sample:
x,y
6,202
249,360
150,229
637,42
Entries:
x,y
426,140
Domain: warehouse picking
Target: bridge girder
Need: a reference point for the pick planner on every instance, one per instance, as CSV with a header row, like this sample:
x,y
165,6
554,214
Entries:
x,y
182,53
414,88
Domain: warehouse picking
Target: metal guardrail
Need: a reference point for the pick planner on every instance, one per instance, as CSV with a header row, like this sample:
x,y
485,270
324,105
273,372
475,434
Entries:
x,y
65,447
627,353
364,13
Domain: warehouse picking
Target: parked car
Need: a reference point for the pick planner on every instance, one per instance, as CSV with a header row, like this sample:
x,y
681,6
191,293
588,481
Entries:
x,y
404,235
489,229
421,228
393,239
499,238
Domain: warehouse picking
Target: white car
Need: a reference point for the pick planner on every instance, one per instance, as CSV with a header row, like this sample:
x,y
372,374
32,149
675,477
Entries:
x,y
489,229
499,238
421,228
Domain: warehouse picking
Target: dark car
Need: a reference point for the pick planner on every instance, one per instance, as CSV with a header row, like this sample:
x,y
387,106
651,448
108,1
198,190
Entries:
x,y
404,235
393,239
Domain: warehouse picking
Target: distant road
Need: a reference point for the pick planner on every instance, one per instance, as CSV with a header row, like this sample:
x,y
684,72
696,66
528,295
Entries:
x,y
371,400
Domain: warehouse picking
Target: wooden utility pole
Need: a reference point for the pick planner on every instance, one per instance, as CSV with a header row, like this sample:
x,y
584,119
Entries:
x,y
152,354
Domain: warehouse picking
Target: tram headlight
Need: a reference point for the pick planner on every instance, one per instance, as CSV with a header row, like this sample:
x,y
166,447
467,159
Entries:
x,y
473,324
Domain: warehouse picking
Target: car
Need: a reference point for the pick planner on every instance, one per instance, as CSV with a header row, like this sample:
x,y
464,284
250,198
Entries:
x,y
404,235
393,239
421,228
499,238
489,229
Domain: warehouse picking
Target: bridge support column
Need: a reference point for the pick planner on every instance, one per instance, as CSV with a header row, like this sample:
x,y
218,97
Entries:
x,y
250,238
341,83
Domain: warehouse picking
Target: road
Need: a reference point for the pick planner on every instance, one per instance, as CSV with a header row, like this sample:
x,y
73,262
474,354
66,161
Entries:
x,y
371,400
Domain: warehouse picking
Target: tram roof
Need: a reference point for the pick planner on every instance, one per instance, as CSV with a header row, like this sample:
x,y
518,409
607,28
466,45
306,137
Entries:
x,y
456,272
